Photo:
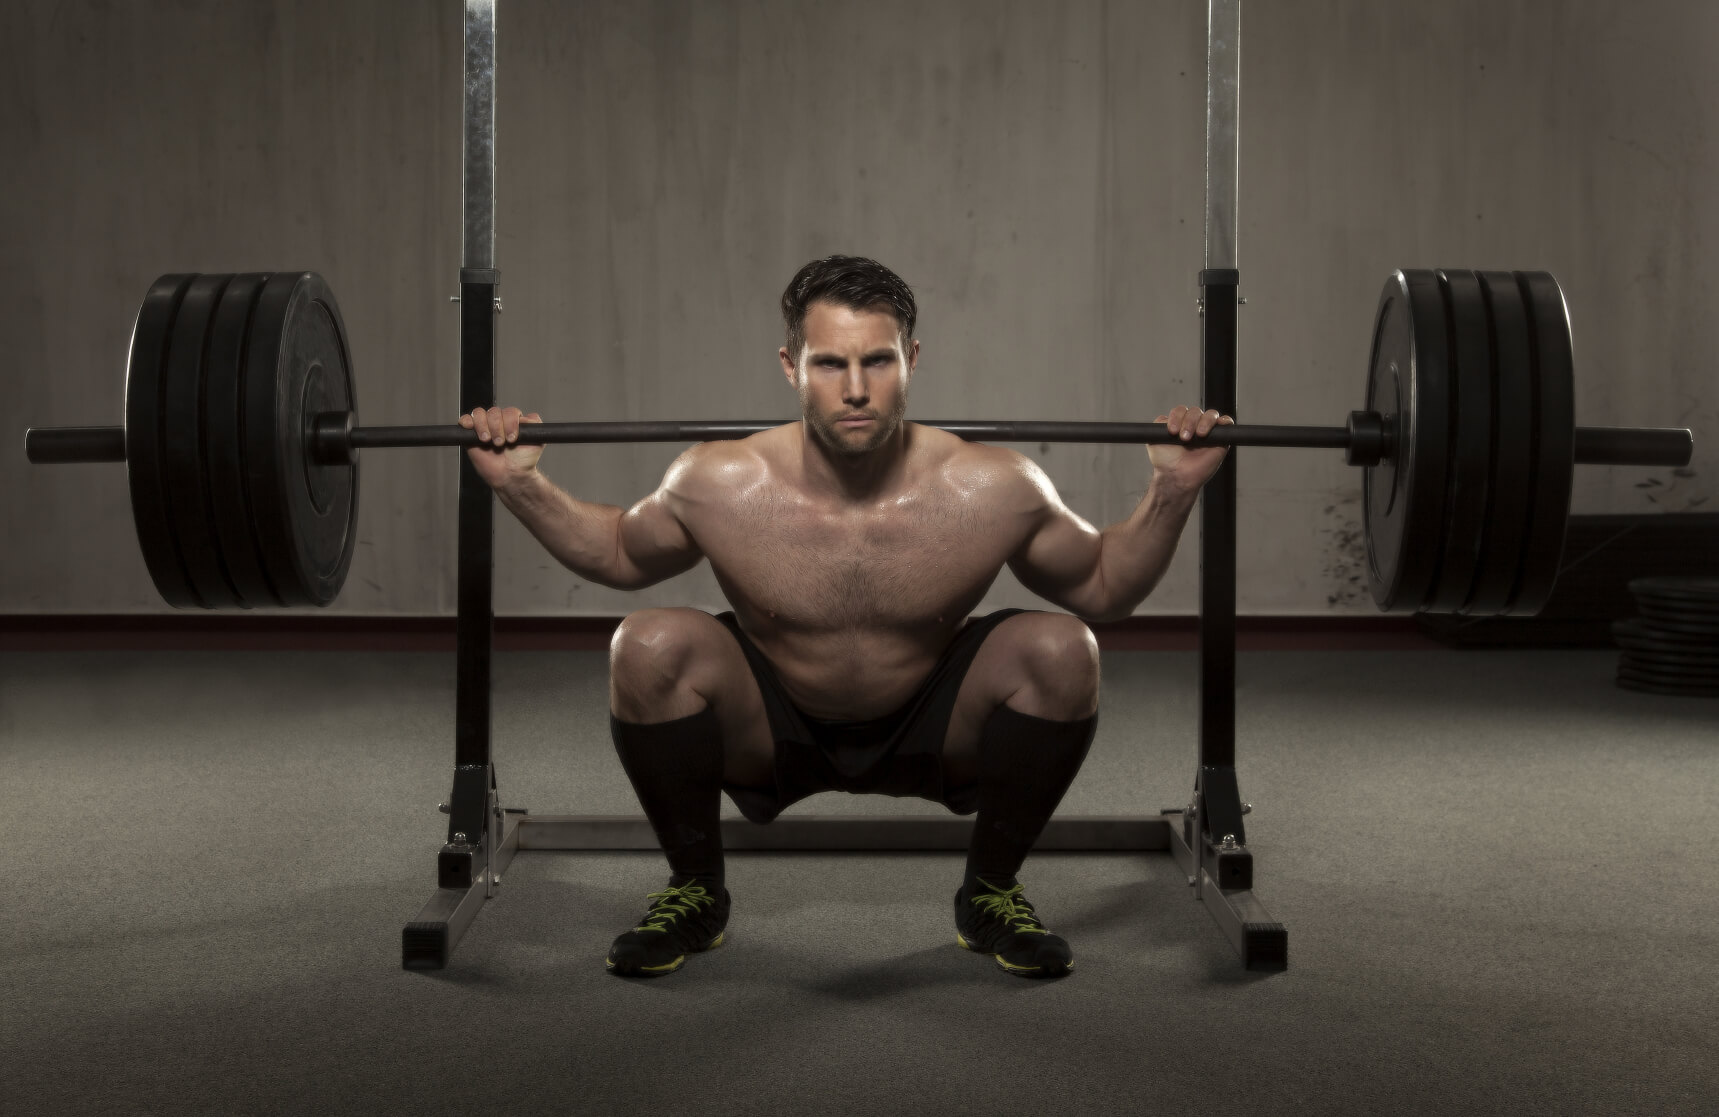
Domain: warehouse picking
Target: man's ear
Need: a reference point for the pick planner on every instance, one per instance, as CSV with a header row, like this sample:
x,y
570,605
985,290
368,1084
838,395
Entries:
x,y
788,369
912,356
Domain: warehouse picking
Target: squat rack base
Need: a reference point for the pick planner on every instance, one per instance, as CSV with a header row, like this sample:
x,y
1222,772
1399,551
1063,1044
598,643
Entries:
x,y
1222,879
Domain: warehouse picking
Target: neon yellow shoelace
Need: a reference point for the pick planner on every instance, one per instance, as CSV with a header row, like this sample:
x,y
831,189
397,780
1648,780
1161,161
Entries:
x,y
672,904
1006,904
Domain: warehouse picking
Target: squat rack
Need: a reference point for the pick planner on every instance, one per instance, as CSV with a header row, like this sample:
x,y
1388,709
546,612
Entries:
x,y
1207,838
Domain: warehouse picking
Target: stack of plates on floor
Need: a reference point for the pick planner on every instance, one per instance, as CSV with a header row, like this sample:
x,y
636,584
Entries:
x,y
1673,647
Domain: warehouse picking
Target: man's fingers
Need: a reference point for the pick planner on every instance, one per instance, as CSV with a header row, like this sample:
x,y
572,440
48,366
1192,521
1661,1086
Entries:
x,y
1189,422
498,426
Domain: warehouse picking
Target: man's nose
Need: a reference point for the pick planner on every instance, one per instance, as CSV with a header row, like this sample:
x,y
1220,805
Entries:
x,y
854,390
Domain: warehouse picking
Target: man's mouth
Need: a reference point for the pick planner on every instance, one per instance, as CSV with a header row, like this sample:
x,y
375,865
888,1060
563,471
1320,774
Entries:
x,y
853,420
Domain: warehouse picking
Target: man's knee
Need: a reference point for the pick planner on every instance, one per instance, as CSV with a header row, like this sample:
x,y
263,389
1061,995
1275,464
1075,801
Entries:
x,y
1059,657
652,649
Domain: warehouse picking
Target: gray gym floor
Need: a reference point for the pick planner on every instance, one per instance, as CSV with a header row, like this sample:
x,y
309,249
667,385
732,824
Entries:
x,y
1497,871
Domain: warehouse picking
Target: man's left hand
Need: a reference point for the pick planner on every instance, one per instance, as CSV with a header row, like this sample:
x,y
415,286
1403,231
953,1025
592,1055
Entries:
x,y
1182,468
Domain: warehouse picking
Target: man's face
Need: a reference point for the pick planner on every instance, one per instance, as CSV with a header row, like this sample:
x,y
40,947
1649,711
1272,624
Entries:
x,y
852,376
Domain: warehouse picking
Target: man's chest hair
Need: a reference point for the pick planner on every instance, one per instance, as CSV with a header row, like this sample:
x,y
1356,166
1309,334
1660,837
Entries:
x,y
899,561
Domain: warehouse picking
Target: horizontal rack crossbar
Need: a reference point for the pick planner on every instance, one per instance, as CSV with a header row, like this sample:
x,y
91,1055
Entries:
x,y
851,833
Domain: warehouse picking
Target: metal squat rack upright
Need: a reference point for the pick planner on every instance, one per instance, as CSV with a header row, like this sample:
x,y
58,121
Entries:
x,y
1207,838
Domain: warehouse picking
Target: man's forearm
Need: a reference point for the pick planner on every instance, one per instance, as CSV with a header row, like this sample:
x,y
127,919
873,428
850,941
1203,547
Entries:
x,y
582,536
1134,553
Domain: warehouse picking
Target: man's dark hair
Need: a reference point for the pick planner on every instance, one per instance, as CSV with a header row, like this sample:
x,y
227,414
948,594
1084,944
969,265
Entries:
x,y
851,281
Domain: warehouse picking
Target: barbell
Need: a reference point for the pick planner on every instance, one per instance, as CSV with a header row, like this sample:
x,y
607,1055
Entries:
x,y
241,445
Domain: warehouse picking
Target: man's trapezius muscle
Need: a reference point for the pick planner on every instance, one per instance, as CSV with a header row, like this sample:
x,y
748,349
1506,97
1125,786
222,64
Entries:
x,y
852,546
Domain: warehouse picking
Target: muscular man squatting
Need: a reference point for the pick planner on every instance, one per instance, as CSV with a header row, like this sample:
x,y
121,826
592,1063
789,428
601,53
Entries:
x,y
852,546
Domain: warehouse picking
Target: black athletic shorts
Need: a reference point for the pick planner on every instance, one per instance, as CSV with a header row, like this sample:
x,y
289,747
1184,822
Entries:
x,y
899,754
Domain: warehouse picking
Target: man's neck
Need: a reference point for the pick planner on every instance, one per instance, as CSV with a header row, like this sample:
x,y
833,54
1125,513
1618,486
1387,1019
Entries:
x,y
854,477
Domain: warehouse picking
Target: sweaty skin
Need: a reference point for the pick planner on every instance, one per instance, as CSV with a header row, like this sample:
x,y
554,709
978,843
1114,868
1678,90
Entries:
x,y
853,544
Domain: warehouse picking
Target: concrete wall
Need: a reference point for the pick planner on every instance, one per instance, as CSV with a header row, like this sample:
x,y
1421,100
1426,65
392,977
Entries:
x,y
1033,170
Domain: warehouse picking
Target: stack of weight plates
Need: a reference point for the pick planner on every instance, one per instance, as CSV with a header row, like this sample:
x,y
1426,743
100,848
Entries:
x,y
1673,647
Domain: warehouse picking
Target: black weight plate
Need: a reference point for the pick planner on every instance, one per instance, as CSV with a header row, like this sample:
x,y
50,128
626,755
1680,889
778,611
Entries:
x,y
1671,672
1512,447
1691,605
183,427
1675,601
1470,468
1691,658
1670,683
1663,677
297,365
1403,496
1692,652
1695,610
1554,440
1683,674
1682,612
145,464
1690,655
1657,607
1704,590
1635,634
223,403
1682,626
1669,691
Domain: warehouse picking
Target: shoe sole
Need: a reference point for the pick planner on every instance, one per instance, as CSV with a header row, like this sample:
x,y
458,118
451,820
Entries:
x,y
1010,967
666,967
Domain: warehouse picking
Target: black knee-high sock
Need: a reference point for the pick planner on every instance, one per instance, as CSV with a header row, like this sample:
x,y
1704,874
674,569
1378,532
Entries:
x,y
676,769
1025,765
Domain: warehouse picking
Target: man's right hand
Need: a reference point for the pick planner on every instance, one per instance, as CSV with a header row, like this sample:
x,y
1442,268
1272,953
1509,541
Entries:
x,y
500,458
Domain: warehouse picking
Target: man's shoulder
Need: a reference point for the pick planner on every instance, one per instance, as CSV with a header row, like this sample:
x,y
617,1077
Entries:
x,y
726,463
978,463
993,477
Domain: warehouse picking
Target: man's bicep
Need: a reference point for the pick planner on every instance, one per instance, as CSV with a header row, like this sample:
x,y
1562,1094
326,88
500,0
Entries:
x,y
1059,558
653,542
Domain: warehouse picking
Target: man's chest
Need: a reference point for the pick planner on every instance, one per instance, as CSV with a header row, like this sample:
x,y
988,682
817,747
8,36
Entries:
x,y
898,563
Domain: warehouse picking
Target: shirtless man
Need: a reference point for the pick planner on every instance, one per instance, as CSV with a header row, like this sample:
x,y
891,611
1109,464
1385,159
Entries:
x,y
852,546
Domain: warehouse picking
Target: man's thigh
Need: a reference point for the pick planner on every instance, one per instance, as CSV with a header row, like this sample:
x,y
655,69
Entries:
x,y
669,663
1042,664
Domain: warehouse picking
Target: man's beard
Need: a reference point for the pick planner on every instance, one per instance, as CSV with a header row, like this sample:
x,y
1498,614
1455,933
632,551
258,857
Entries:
x,y
831,435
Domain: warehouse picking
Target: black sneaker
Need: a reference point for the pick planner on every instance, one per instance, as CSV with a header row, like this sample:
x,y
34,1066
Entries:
x,y
999,921
683,920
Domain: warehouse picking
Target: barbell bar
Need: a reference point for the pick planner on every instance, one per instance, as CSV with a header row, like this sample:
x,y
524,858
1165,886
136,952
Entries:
x,y
1648,446
241,441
